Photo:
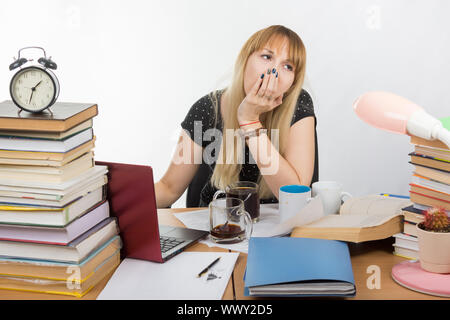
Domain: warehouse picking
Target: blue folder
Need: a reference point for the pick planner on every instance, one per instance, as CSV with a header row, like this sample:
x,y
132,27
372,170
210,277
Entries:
x,y
298,262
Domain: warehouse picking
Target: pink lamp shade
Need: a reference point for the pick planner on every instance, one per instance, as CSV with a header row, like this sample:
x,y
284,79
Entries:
x,y
390,112
385,110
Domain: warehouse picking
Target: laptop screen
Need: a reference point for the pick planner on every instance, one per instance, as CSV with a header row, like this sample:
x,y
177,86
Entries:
x,y
131,196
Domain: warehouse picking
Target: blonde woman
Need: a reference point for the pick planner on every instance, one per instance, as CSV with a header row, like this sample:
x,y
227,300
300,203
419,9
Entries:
x,y
273,115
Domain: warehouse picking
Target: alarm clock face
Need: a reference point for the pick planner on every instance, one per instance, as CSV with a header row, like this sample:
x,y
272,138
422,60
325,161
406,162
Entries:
x,y
34,89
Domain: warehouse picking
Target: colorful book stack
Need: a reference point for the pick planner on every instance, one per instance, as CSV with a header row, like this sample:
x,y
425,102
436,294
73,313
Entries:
x,y
56,233
429,187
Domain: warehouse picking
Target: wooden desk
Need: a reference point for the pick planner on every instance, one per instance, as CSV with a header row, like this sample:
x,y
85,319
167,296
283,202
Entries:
x,y
378,253
374,253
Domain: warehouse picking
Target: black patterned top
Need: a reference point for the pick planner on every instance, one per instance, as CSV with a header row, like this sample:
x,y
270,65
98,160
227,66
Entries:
x,y
201,117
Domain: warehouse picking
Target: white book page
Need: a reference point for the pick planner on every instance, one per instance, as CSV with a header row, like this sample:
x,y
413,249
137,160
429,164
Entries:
x,y
363,212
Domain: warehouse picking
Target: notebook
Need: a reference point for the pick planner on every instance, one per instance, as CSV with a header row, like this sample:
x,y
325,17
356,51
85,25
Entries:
x,y
298,267
131,194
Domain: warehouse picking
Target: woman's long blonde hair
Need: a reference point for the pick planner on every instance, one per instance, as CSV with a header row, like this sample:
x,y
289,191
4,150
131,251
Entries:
x,y
226,171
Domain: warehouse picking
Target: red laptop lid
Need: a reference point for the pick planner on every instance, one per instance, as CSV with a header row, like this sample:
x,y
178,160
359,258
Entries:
x,y
131,196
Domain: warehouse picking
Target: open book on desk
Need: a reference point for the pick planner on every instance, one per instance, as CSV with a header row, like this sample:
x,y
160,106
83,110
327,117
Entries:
x,y
366,218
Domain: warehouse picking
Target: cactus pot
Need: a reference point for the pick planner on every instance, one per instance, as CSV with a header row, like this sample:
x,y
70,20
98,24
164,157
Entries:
x,y
434,250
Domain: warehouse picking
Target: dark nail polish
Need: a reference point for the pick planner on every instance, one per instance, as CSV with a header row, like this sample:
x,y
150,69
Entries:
x,y
262,76
276,76
274,70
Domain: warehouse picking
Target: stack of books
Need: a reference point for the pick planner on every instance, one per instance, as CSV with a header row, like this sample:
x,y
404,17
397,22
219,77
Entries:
x,y
429,187
56,233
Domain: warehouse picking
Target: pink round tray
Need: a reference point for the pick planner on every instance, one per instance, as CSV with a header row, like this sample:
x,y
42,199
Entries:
x,y
410,275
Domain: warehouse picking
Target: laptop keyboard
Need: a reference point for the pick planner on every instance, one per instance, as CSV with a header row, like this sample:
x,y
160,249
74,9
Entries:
x,y
168,243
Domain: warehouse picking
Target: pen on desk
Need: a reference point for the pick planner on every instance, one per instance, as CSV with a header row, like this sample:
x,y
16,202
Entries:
x,y
393,195
208,267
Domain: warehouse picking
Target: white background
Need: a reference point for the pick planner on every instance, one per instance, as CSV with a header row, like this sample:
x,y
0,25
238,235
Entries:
x,y
146,62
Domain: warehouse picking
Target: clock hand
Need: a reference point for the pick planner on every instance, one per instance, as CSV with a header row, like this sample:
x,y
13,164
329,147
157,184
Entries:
x,y
32,91
31,96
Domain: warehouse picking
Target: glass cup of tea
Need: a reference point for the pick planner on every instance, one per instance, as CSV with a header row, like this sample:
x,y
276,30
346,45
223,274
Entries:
x,y
229,222
247,191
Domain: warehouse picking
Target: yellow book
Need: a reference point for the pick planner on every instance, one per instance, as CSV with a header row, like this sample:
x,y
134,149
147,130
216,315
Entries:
x,y
48,270
48,174
406,253
49,216
72,286
439,154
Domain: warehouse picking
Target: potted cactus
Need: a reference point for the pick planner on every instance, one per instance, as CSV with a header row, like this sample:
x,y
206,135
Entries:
x,y
434,241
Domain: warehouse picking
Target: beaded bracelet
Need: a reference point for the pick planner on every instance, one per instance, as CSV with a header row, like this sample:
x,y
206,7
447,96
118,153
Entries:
x,y
252,133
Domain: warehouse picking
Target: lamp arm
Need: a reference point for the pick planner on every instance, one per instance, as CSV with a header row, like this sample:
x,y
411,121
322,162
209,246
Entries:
x,y
425,126
444,136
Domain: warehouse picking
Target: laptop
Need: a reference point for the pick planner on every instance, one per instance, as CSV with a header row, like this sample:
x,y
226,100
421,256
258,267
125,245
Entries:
x,y
132,200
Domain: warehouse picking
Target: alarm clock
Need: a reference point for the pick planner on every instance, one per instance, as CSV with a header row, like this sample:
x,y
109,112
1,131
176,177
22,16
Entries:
x,y
35,87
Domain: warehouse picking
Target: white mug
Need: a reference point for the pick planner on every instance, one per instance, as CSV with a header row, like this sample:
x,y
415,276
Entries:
x,y
331,194
291,199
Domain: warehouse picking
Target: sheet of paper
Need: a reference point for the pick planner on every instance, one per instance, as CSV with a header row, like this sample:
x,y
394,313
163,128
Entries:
x,y
175,279
313,211
198,220
268,225
239,247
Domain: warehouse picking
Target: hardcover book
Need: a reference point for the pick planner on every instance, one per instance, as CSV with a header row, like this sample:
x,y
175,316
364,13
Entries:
x,y
61,117
430,161
432,173
50,158
47,135
55,235
72,286
360,219
58,270
74,252
45,145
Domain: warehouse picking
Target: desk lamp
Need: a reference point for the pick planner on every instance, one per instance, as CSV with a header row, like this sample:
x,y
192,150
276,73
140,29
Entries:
x,y
396,114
